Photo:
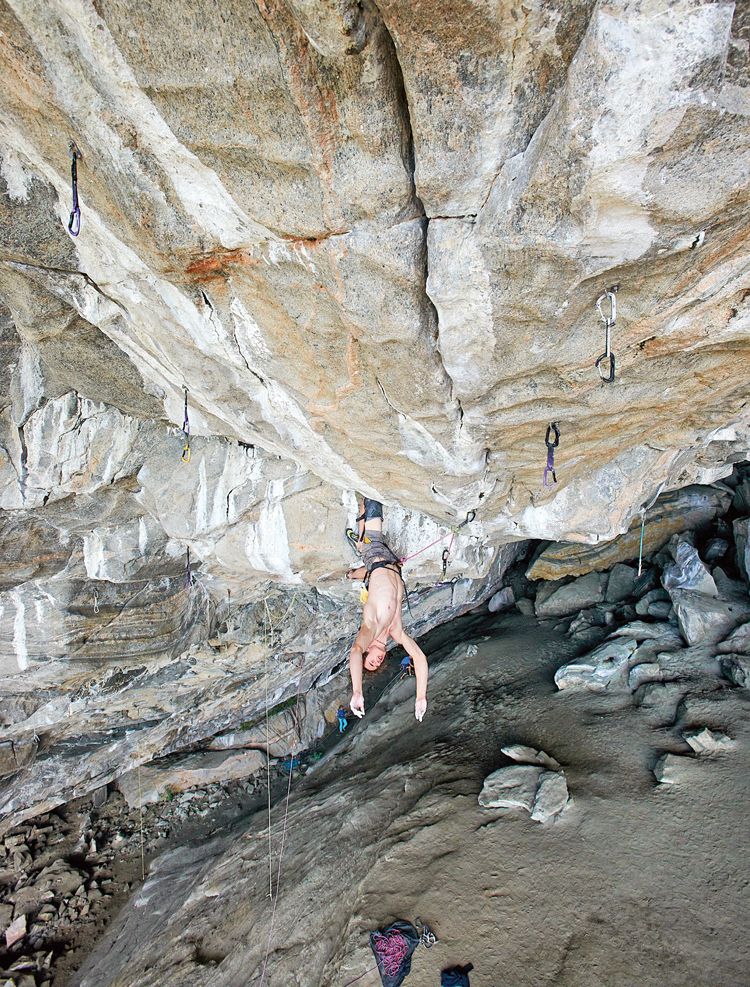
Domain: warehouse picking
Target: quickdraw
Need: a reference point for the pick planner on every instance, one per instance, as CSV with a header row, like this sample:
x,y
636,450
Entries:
x,y
188,577
96,601
427,937
470,515
74,223
552,429
605,364
186,431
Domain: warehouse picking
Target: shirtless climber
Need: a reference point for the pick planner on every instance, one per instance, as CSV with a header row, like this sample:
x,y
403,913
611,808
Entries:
x,y
381,616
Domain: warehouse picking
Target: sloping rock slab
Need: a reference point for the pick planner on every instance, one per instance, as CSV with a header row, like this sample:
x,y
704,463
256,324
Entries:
x,y
193,771
674,512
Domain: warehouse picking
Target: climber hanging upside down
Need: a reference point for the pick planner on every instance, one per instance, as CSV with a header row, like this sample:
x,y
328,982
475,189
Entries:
x,y
381,617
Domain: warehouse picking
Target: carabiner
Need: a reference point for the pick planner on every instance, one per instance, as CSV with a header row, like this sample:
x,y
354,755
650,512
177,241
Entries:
x,y
553,427
470,515
607,359
96,602
607,377
547,471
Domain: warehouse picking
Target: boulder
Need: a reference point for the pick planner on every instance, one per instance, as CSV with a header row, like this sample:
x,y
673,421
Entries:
x,y
716,548
704,619
511,788
15,931
738,641
162,781
529,755
741,529
605,668
729,588
671,769
620,584
674,512
736,668
687,571
706,742
573,596
653,596
551,796
502,600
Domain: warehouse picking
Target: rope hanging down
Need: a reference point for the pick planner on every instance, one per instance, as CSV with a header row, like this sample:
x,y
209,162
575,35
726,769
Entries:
x,y
549,469
74,223
186,431
605,364
644,511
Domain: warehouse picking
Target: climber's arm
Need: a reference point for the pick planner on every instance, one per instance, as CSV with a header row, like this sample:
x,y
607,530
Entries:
x,y
421,668
356,664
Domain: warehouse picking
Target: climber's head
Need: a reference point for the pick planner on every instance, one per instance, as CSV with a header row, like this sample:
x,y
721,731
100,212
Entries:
x,y
374,656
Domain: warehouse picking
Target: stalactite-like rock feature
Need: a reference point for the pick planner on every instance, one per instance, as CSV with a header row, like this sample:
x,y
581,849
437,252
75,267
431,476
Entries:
x,y
366,240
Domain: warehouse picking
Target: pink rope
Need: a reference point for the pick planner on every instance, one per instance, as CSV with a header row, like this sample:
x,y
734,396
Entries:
x,y
437,541
391,950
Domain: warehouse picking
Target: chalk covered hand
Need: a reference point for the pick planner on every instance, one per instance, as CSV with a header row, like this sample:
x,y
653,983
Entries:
x,y
357,704
420,708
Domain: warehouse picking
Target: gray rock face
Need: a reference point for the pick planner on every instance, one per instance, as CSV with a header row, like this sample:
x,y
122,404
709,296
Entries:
x,y
707,742
741,528
350,234
737,669
620,583
502,600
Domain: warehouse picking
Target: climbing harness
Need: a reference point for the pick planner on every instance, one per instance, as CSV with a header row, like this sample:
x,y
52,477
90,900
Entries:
x,y
605,364
186,431
96,601
644,511
74,223
552,428
343,722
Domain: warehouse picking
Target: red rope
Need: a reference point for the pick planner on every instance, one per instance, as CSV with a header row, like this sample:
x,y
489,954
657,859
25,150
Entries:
x,y
391,950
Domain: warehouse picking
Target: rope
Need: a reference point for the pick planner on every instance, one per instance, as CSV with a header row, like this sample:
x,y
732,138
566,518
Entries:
x,y
644,511
356,979
391,950
140,806
281,850
449,534
266,623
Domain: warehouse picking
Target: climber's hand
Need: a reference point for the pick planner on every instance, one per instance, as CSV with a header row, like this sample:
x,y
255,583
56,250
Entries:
x,y
357,704
420,708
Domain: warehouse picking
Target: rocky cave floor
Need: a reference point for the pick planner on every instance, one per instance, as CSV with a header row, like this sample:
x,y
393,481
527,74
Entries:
x,y
627,868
